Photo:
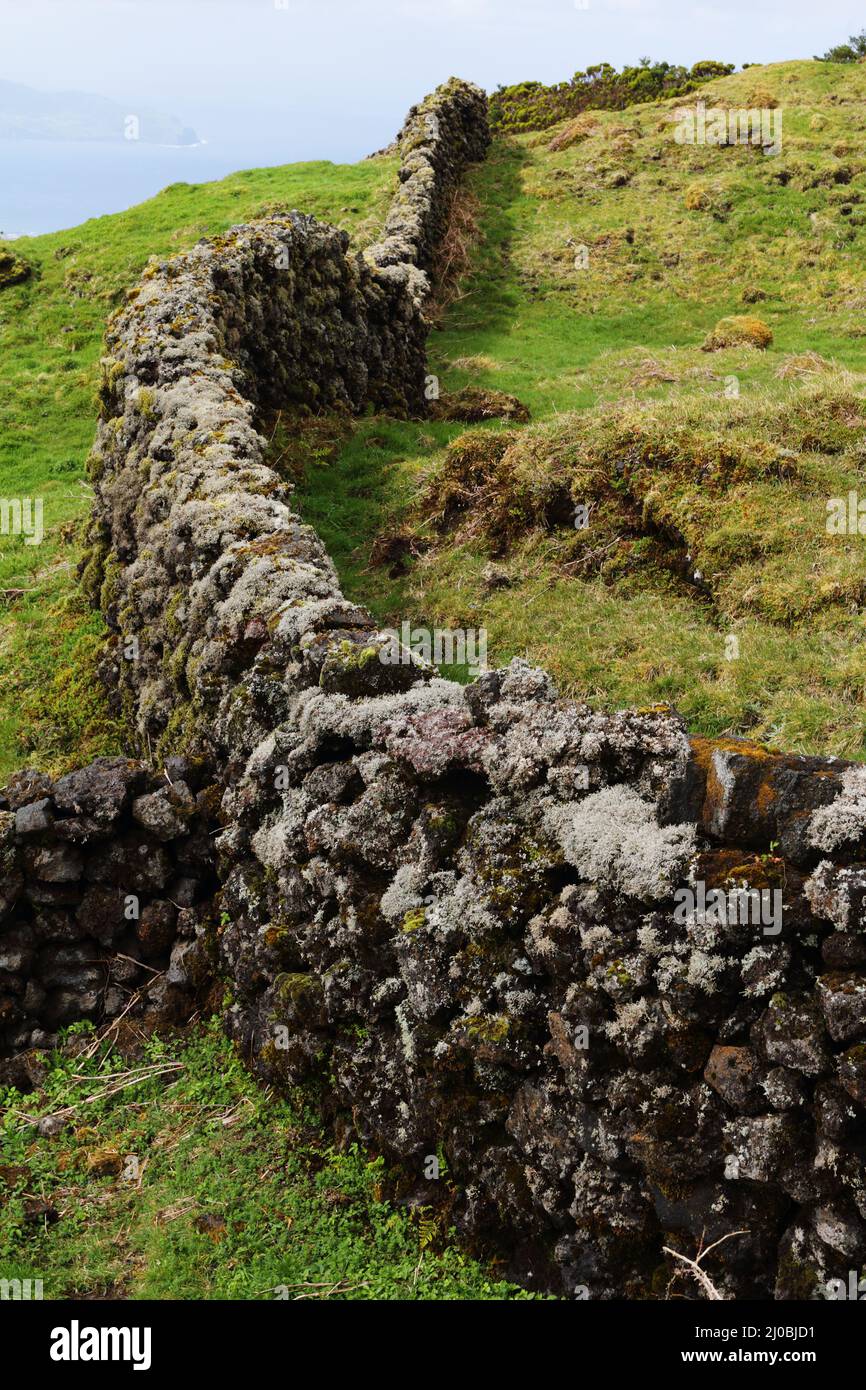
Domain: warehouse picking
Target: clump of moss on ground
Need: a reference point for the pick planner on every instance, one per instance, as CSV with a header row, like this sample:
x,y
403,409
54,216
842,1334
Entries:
x,y
14,270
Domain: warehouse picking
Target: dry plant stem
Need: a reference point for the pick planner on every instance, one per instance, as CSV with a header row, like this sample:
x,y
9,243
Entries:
x,y
694,1266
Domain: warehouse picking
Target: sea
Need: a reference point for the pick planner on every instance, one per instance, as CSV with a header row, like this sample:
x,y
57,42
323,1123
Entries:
x,y
47,185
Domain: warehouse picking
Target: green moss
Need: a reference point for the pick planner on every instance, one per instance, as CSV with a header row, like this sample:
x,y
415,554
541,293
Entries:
x,y
172,625
95,466
93,570
616,970
289,988
145,401
799,1280
183,732
491,1028
414,918
111,572
354,658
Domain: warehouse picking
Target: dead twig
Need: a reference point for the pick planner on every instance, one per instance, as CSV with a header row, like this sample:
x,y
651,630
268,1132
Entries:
x,y
694,1266
323,1290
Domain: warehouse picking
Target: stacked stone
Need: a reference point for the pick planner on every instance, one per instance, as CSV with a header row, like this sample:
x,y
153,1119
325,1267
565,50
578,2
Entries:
x,y
106,878
455,909
194,553
441,137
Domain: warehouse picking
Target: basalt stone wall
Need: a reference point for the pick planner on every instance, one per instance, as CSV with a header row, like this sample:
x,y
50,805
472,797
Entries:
x,y
106,881
455,909
194,554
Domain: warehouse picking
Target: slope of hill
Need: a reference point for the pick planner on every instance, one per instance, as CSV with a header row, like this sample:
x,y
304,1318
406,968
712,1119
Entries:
x,y
605,254
597,271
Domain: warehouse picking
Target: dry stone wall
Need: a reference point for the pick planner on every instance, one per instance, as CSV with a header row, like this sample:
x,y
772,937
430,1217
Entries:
x,y
108,877
610,979
194,554
481,919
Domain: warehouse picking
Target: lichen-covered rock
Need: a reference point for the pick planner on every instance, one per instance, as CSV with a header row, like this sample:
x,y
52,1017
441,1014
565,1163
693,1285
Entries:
x,y
11,874
81,912
466,923
793,1035
195,557
842,997
838,893
733,1074
101,790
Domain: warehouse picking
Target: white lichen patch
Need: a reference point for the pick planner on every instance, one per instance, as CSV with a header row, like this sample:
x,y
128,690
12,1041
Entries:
x,y
844,820
613,838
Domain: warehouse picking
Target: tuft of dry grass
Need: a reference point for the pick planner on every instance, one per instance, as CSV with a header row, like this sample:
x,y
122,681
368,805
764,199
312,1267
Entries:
x,y
478,362
798,365
473,404
649,373
697,197
453,257
581,128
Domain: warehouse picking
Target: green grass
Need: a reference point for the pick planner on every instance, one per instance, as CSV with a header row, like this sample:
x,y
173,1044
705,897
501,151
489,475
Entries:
x,y
235,1195
51,330
610,361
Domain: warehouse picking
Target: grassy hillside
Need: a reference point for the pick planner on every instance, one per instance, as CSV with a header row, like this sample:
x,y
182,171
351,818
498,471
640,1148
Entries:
x,y
610,360
171,1174
51,329
706,473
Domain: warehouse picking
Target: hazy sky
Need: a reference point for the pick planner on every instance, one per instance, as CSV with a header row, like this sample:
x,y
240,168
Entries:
x,y
334,77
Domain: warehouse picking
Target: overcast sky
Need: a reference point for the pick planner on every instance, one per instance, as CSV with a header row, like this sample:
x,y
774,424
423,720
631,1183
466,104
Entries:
x,y
336,76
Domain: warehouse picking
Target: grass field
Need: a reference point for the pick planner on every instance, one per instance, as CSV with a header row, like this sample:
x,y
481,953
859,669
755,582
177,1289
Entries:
x,y
608,358
176,1176
716,463
705,576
